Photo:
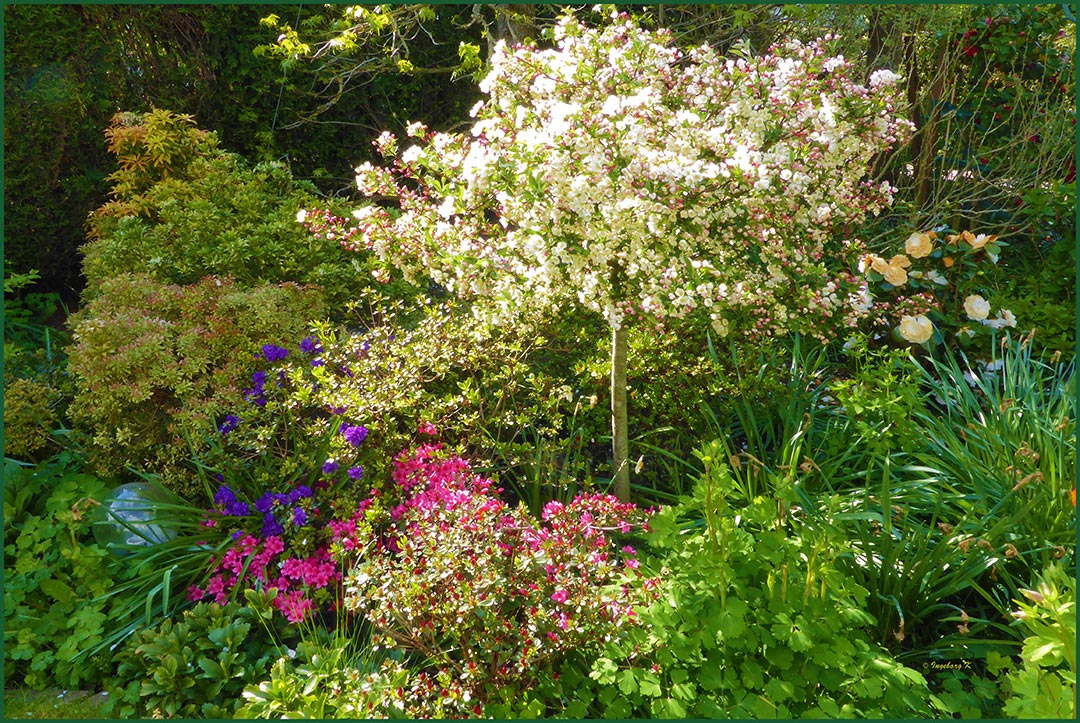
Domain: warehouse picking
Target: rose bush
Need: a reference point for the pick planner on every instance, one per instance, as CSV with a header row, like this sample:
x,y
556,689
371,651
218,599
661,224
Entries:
x,y
933,291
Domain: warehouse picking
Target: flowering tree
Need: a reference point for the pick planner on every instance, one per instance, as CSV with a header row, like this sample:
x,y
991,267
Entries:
x,y
641,181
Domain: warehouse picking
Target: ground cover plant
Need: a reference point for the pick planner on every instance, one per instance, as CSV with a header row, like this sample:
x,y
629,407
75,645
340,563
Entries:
x,y
292,461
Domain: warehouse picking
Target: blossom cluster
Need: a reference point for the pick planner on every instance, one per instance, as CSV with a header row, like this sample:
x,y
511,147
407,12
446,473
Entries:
x,y
484,592
934,280
280,536
252,562
621,173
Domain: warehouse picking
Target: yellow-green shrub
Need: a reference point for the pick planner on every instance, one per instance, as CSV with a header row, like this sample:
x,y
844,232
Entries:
x,y
28,417
153,362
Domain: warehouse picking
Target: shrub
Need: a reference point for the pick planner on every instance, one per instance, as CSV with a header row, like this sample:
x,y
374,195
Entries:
x,y
478,593
321,679
183,209
195,666
153,363
935,292
751,622
29,417
54,575
1045,686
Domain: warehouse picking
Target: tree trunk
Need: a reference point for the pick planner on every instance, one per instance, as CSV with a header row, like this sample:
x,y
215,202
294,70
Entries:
x,y
619,435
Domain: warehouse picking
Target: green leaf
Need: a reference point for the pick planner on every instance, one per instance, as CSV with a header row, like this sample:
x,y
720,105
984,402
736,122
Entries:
x,y
57,590
650,684
684,691
1044,652
212,669
628,682
604,670
668,708
779,690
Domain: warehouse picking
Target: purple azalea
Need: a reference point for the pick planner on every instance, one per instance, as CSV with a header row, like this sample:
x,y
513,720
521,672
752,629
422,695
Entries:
x,y
224,495
354,435
299,517
237,509
230,423
317,362
310,345
266,503
273,352
330,466
356,472
271,527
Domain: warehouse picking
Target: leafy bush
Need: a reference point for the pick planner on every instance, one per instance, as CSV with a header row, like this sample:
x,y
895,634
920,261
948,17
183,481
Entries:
x,y
29,417
196,666
154,363
750,622
320,679
1045,687
183,209
1044,295
54,574
476,592
935,292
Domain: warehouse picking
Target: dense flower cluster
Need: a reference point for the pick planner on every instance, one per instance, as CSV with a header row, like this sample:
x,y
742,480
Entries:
x,y
623,174
482,591
282,534
252,562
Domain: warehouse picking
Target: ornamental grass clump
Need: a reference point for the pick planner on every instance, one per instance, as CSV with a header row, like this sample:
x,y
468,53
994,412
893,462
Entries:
x,y
476,592
621,174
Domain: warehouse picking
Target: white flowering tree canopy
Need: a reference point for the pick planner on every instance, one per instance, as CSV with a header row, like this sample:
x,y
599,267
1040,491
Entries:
x,y
621,173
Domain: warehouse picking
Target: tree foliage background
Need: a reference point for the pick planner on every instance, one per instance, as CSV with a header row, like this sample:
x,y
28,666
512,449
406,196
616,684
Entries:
x,y
989,86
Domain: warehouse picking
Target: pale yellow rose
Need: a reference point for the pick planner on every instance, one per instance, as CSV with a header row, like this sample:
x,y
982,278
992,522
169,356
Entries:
x,y
916,329
895,275
895,272
918,245
977,307
877,263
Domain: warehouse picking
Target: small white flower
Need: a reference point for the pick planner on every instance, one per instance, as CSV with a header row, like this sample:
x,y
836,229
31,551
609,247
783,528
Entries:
x,y
881,78
411,154
301,215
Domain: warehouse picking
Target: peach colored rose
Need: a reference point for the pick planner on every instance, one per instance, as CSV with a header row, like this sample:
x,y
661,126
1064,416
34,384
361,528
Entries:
x,y
916,329
918,245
